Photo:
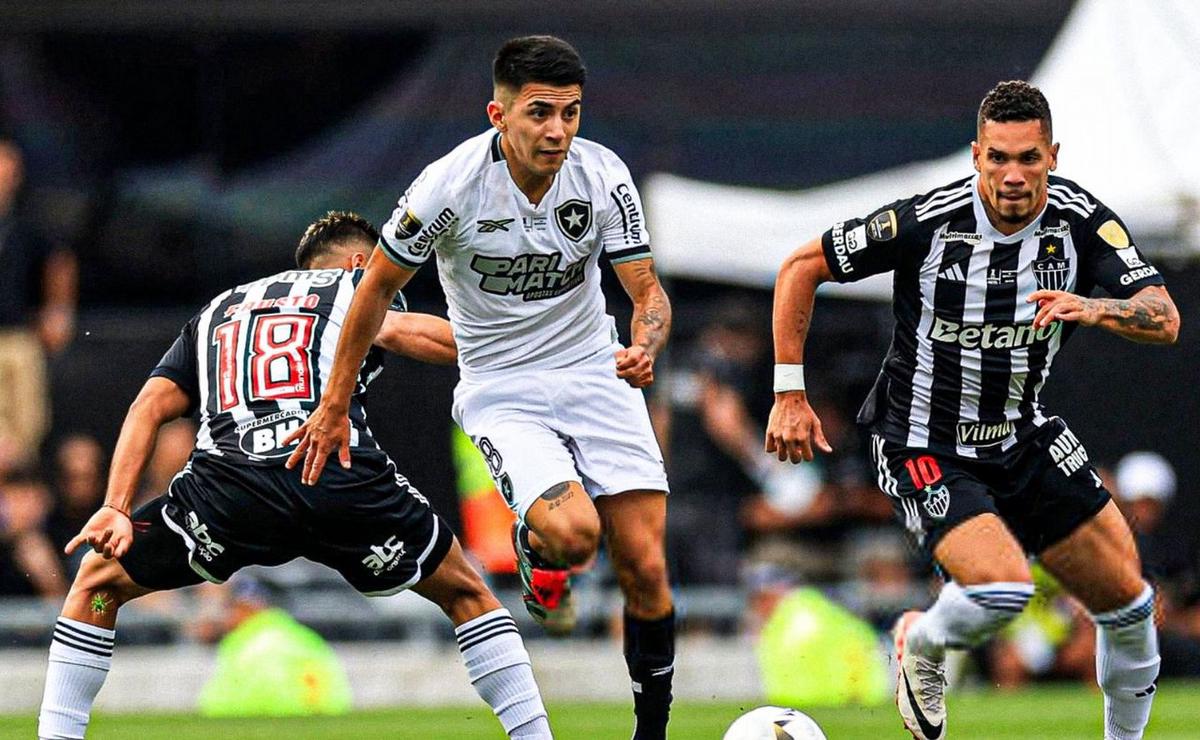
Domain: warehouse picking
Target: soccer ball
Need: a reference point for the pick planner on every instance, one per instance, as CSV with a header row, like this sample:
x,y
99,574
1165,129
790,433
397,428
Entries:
x,y
774,723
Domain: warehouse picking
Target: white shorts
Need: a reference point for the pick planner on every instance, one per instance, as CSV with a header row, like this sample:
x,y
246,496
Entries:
x,y
537,428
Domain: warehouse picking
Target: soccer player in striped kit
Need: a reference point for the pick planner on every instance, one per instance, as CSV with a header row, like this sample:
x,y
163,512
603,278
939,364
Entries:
x,y
991,274
255,362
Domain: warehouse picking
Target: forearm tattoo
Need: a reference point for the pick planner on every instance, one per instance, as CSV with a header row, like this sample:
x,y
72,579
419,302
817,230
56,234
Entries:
x,y
652,323
1142,313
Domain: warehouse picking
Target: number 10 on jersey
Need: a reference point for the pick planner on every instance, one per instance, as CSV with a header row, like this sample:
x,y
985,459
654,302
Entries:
x,y
277,359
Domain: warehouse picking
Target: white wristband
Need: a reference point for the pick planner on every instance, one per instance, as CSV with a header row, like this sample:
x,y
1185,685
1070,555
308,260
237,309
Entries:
x,y
789,378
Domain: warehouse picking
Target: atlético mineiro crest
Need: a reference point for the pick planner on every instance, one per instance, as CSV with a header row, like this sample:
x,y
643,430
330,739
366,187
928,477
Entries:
x,y
937,501
574,218
1053,270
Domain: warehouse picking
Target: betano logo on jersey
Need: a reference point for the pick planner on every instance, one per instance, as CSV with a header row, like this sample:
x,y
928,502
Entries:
x,y
535,277
990,336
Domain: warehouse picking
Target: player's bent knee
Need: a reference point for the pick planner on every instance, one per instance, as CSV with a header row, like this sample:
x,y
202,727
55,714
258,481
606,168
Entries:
x,y
645,573
572,541
105,580
576,547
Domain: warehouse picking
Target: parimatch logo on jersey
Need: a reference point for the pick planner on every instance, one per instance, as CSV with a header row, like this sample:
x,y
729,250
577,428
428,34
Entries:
x,y
534,277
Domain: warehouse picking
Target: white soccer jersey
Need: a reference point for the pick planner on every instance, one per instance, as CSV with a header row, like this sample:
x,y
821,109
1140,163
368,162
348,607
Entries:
x,y
522,281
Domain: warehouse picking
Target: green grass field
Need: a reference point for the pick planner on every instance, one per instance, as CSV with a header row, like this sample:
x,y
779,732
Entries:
x,y
1062,713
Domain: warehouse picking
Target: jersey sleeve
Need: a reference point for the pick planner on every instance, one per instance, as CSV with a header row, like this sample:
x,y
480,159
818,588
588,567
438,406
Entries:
x,y
179,364
622,221
1110,258
422,216
861,247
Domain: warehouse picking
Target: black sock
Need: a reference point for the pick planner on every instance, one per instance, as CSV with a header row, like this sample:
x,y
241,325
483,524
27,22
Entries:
x,y
650,655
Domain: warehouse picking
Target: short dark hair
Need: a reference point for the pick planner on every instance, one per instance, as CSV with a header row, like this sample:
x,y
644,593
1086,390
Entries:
x,y
1016,100
546,59
332,230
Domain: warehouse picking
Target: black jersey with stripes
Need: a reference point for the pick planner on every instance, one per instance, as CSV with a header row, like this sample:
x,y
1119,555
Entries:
x,y
255,359
966,365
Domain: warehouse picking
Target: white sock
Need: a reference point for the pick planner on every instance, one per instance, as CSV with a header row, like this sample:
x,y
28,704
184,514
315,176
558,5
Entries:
x,y
1127,666
965,617
501,674
80,655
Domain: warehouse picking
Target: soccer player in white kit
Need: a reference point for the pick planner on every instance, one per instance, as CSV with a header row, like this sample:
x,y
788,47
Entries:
x,y
519,217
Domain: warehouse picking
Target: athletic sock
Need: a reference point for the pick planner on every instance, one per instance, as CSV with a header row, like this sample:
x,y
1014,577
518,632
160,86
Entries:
x,y
964,617
499,669
80,656
1127,664
650,655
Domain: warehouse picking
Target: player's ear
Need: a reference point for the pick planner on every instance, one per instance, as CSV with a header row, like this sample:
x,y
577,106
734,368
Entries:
x,y
976,150
495,112
357,260
1054,157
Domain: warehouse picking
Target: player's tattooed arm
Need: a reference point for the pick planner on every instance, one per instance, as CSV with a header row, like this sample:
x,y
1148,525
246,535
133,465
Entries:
x,y
651,308
1149,316
651,322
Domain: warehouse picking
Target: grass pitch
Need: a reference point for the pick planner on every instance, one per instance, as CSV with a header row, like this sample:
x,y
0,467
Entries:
x,y
1055,713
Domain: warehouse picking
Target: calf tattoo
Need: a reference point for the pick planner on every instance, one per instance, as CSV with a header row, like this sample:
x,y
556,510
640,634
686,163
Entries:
x,y
100,603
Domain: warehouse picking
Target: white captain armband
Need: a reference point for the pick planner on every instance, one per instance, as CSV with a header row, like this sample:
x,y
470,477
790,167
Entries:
x,y
789,378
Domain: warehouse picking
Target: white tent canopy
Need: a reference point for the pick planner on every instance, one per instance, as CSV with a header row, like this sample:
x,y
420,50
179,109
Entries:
x,y
1123,80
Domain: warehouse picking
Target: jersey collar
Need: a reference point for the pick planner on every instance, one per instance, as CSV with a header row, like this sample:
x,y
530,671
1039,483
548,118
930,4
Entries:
x,y
990,232
497,151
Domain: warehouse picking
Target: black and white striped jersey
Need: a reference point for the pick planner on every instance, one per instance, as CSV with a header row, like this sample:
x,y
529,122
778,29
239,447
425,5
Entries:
x,y
965,366
255,359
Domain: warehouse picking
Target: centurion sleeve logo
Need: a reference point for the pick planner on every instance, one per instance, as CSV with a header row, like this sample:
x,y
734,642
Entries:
x,y
430,234
534,277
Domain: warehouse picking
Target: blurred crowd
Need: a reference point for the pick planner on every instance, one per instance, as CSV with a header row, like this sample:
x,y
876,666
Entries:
x,y
739,520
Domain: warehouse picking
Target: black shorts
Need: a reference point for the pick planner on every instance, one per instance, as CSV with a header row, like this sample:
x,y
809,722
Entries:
x,y
1044,488
367,523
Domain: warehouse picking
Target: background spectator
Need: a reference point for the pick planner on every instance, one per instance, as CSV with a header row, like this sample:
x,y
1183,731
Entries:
x,y
38,288
29,564
79,484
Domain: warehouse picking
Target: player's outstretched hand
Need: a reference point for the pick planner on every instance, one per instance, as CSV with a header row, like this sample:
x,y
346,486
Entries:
x,y
1058,305
109,532
635,366
794,428
322,433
